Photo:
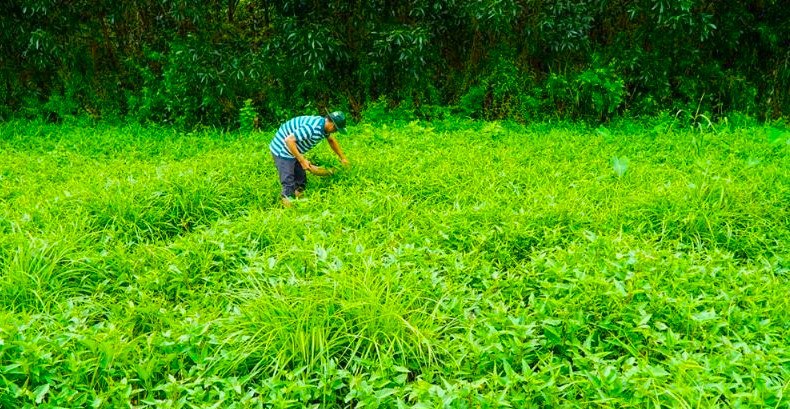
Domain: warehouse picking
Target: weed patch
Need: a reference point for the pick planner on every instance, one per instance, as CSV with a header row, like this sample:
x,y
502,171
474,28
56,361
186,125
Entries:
x,y
454,264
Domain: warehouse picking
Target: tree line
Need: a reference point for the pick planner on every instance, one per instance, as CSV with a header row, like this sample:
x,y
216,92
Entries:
x,y
201,62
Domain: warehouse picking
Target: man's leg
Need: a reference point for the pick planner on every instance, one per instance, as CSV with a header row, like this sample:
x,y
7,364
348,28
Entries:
x,y
300,179
285,168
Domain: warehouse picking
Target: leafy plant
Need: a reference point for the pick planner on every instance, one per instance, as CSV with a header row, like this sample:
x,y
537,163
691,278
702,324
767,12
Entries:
x,y
248,117
456,263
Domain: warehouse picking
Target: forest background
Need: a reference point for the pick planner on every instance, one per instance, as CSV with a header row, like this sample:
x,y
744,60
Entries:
x,y
201,63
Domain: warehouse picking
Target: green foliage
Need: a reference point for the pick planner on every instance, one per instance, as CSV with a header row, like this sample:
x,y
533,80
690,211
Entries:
x,y
195,86
59,107
594,93
383,111
472,103
164,62
602,90
454,264
248,117
504,92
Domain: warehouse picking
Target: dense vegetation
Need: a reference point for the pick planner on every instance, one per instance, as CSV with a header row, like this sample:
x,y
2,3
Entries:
x,y
456,265
550,204
188,63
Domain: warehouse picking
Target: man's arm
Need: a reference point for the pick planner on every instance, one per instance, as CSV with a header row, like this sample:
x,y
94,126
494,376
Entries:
x,y
290,143
336,147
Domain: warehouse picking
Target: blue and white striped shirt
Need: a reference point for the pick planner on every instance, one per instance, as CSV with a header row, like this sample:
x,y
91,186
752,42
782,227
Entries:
x,y
308,131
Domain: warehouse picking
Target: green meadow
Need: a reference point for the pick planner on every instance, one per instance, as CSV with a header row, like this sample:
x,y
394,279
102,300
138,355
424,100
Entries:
x,y
454,264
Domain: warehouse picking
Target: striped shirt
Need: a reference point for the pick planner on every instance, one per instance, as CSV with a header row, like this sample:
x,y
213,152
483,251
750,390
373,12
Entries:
x,y
308,131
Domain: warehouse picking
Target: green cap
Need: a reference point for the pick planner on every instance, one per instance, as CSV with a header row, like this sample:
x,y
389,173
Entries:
x,y
339,119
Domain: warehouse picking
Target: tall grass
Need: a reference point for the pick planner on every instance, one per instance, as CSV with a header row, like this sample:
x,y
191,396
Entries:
x,y
455,264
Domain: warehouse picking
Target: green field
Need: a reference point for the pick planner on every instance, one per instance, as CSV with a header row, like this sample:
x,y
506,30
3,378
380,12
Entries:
x,y
453,265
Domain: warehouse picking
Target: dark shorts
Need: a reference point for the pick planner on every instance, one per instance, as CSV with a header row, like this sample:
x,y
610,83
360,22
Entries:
x,y
292,176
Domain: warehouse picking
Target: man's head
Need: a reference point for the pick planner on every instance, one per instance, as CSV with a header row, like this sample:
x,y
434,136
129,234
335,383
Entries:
x,y
336,122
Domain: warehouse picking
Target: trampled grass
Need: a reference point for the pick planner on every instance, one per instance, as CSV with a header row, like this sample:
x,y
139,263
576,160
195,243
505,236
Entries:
x,y
455,264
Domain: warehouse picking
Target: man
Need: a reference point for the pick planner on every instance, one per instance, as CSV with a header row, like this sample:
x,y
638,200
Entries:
x,y
294,138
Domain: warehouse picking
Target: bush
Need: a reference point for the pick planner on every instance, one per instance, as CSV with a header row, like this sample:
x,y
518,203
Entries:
x,y
595,93
248,117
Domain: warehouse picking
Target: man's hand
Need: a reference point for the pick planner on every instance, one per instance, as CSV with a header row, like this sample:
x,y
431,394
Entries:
x,y
319,171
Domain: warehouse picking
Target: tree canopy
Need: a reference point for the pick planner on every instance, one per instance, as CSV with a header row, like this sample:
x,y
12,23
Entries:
x,y
185,62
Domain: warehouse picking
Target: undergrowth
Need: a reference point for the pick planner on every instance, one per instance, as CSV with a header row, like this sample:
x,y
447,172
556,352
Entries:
x,y
454,264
